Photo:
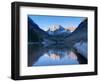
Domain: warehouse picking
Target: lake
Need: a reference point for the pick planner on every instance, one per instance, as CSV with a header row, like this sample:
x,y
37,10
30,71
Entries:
x,y
39,55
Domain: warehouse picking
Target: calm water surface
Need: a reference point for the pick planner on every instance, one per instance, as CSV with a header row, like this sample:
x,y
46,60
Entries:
x,y
55,55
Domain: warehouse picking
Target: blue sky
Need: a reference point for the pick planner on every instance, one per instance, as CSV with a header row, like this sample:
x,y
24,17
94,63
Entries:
x,y
45,22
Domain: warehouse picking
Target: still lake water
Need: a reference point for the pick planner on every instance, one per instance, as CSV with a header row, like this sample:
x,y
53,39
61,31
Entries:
x,y
55,55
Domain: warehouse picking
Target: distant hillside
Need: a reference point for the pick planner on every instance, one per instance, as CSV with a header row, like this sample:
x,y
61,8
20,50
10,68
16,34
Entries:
x,y
80,34
35,34
71,29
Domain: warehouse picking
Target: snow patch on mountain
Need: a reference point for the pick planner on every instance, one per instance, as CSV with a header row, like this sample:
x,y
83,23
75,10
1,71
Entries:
x,y
56,30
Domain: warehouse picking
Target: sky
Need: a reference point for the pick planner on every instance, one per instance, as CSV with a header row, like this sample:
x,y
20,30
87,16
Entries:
x,y
44,22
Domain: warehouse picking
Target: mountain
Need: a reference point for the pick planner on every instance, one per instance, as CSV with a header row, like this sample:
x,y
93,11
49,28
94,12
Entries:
x,y
80,34
57,30
56,27
35,34
57,34
70,29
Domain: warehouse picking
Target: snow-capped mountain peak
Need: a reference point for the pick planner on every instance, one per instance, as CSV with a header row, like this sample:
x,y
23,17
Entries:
x,y
56,29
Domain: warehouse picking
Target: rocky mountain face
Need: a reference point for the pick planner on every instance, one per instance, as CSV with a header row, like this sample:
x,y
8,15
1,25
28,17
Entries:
x,y
57,30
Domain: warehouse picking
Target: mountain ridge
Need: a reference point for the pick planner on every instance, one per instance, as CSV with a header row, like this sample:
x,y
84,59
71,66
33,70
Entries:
x,y
79,34
57,30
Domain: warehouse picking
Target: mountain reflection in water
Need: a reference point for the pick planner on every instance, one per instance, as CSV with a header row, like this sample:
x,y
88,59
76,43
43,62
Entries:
x,y
48,56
